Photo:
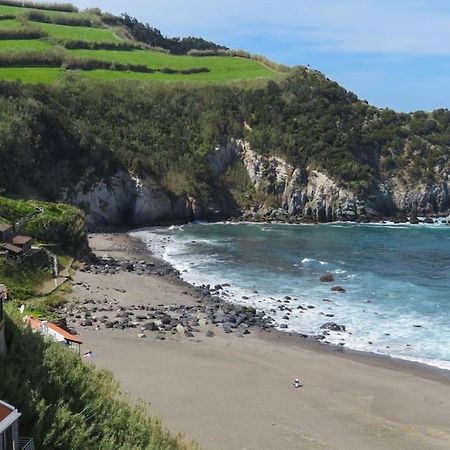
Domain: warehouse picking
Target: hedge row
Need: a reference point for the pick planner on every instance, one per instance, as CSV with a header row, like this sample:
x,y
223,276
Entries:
x,y
56,59
241,54
7,17
37,16
77,45
22,33
63,7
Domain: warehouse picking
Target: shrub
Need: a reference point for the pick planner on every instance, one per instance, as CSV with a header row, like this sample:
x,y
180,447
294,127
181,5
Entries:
x,y
67,404
7,17
121,46
31,59
22,33
37,16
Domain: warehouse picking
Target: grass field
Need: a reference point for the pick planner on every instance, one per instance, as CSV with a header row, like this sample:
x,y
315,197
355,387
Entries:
x,y
221,69
32,75
10,24
19,45
90,34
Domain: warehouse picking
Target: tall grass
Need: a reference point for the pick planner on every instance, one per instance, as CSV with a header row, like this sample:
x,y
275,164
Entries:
x,y
60,19
66,404
63,7
22,33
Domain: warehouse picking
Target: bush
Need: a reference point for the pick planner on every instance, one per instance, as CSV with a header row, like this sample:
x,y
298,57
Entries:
x,y
121,46
67,404
7,17
22,33
31,59
36,16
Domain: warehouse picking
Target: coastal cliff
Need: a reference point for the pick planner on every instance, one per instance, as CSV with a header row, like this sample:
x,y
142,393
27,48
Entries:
x,y
300,148
280,190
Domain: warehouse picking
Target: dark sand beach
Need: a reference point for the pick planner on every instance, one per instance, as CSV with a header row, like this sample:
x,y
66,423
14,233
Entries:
x,y
234,392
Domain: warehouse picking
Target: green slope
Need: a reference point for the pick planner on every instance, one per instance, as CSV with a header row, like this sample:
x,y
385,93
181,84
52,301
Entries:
x,y
23,59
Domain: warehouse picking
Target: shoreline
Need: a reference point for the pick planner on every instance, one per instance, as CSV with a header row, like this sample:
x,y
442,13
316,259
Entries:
x,y
204,386
156,252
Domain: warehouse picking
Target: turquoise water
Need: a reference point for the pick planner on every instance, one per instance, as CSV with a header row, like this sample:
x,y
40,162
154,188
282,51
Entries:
x,y
396,277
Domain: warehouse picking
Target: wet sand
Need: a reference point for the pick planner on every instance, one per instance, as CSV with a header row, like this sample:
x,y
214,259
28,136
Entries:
x,y
230,392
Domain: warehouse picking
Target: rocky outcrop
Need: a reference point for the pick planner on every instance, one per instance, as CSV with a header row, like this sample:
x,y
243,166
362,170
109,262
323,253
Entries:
x,y
310,193
284,191
127,199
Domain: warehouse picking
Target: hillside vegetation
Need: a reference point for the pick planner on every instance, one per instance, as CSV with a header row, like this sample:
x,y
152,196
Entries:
x,y
66,404
43,44
84,130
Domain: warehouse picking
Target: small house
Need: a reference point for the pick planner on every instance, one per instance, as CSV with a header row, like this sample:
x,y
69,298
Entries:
x,y
9,430
9,427
53,331
23,242
12,250
6,231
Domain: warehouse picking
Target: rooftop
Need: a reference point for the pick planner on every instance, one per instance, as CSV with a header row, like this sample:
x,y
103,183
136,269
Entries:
x,y
5,410
21,240
12,248
36,324
5,226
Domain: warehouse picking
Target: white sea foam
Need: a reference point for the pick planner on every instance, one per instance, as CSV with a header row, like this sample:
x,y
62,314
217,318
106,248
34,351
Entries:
x,y
365,322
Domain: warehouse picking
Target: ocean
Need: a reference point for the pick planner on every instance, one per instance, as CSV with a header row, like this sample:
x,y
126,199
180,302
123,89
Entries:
x,y
396,279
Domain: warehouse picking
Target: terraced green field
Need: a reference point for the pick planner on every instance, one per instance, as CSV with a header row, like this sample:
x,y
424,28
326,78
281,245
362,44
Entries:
x,y
220,68
31,75
23,45
10,24
90,34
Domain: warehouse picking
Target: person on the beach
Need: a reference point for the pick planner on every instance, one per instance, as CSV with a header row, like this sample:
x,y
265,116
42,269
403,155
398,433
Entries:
x,y
296,384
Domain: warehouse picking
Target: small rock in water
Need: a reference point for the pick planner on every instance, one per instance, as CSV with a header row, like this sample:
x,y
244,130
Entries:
x,y
338,289
327,278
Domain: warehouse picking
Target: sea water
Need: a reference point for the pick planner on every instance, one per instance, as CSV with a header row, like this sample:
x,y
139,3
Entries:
x,y
396,278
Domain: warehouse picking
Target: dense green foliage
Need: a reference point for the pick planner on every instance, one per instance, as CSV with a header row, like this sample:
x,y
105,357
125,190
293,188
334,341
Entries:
x,y
152,36
54,223
66,404
314,122
59,134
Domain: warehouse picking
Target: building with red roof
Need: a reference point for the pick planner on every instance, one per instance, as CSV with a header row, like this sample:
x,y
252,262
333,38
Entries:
x,y
53,331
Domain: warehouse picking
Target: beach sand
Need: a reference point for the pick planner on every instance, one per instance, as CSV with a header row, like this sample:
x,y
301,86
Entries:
x,y
230,392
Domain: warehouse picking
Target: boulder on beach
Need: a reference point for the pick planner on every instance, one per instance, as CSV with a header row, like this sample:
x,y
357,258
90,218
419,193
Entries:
x,y
327,278
332,327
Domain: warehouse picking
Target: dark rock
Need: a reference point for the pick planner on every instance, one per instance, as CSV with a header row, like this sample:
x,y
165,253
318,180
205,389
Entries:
x,y
327,278
332,326
338,289
150,326
210,334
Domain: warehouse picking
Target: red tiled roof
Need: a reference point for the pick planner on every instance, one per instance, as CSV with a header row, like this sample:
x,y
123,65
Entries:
x,y
5,411
20,240
37,324
64,333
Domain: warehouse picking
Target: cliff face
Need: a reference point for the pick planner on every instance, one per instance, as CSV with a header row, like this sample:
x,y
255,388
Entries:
x,y
127,199
305,192
293,191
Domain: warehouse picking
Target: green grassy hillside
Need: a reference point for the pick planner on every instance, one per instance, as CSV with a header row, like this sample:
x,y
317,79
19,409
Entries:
x,y
44,45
